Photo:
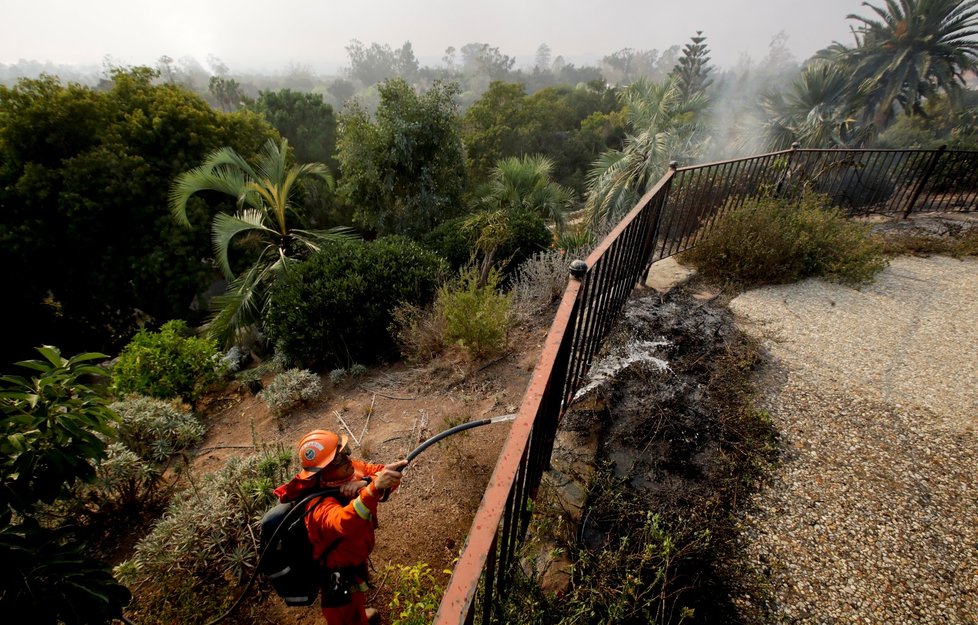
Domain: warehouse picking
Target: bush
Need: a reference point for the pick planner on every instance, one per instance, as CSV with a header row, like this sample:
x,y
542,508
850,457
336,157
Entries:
x,y
336,307
289,389
417,594
167,364
155,429
778,241
476,317
455,240
53,428
419,332
181,571
540,281
149,433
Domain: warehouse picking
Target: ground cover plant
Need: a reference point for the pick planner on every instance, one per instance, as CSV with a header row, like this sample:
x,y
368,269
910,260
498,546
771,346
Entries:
x,y
289,389
190,568
771,240
938,237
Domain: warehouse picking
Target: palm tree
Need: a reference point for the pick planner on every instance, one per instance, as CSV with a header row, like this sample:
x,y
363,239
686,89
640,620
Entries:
x,y
525,183
664,126
814,111
263,194
914,50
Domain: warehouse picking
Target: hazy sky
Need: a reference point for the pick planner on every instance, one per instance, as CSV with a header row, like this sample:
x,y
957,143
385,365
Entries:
x,y
269,36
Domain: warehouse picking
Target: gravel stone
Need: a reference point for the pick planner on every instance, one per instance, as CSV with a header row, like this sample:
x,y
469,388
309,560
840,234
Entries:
x,y
872,514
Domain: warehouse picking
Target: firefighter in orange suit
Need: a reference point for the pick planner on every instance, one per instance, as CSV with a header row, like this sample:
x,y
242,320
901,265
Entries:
x,y
343,531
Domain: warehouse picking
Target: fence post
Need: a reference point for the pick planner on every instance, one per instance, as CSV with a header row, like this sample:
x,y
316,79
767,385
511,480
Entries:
x,y
923,179
787,169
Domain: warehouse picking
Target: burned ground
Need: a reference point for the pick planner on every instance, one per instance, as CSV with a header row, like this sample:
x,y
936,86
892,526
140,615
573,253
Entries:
x,y
680,440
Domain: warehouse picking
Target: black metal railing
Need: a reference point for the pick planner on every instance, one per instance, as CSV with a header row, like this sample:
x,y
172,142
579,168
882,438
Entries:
x,y
672,217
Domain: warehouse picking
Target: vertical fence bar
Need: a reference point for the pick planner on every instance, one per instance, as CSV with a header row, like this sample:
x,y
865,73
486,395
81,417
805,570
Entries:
x,y
923,180
911,174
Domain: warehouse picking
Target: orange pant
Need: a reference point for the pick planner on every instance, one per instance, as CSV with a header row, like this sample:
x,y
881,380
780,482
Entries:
x,y
353,613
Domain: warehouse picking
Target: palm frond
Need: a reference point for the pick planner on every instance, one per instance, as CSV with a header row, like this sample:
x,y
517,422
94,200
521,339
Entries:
x,y
222,179
225,227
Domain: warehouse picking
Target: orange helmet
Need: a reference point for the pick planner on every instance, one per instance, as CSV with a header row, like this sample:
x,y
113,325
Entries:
x,y
317,449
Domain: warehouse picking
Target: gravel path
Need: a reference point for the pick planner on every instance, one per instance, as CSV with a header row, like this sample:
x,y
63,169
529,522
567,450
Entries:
x,y
872,516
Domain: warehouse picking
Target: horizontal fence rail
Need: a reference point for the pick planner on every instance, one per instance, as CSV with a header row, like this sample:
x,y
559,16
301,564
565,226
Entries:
x,y
677,213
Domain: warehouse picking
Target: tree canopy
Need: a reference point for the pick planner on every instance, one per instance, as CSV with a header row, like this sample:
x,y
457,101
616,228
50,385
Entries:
x,y
86,239
911,51
405,170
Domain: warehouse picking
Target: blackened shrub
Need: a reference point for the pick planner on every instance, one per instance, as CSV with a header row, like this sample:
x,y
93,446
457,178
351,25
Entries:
x,y
335,308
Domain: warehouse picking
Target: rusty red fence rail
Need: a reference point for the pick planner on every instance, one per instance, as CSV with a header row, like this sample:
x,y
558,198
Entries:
x,y
670,218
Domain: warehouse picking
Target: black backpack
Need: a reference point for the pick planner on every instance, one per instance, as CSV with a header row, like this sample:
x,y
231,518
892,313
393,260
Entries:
x,y
286,553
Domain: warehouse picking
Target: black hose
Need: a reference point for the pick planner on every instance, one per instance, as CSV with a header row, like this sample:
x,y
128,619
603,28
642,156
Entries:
x,y
437,437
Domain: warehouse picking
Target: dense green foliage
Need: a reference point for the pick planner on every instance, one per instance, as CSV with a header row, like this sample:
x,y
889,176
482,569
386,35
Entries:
x,y
522,234
405,170
570,125
779,241
525,184
476,314
167,364
52,432
911,51
265,223
335,308
909,56
665,124
417,594
305,120
85,240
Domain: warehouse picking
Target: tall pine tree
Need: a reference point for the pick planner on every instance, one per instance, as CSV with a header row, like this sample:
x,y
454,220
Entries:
x,y
691,73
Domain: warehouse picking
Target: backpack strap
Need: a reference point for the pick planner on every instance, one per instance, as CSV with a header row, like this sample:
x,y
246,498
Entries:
x,y
311,503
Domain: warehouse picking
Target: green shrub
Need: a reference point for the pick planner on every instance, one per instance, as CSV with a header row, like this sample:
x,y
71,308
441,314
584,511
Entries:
x,y
335,308
476,317
147,436
155,429
777,241
455,239
53,428
417,594
123,477
184,570
289,389
167,364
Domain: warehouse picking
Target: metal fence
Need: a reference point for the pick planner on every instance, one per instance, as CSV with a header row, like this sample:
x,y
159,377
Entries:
x,y
860,182
672,217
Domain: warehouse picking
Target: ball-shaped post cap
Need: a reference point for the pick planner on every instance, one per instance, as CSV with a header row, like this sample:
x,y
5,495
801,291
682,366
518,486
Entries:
x,y
578,268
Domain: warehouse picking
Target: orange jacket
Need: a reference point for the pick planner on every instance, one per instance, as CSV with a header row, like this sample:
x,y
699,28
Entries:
x,y
353,523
